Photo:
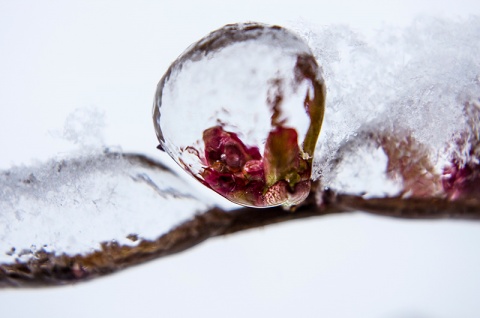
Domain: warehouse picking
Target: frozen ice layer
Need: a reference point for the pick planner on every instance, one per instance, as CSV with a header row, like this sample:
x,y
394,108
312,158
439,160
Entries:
x,y
409,94
241,111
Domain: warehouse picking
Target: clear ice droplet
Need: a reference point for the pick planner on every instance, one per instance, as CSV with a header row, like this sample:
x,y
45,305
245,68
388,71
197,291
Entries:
x,y
241,111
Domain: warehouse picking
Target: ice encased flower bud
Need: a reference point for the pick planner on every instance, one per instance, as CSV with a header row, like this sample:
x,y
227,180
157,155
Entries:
x,y
241,111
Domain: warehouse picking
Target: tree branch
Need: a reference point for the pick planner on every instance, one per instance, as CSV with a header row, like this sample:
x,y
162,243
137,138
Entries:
x,y
48,269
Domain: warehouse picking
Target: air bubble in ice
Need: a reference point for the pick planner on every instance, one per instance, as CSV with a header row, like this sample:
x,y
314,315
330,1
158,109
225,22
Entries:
x,y
241,111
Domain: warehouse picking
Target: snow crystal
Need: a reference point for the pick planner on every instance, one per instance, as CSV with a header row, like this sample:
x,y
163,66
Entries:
x,y
72,205
413,82
364,171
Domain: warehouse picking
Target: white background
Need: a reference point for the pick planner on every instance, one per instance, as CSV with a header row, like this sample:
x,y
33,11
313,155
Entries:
x,y
56,56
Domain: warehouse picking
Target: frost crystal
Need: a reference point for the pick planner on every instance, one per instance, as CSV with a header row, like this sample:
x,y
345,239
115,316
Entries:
x,y
73,205
409,92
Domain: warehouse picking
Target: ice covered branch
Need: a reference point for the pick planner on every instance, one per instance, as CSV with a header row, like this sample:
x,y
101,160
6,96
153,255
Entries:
x,y
400,139
47,268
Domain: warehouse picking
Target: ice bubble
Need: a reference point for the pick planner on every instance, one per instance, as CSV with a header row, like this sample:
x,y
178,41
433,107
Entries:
x,y
241,111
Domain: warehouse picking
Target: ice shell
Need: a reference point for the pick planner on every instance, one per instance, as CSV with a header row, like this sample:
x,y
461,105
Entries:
x,y
239,85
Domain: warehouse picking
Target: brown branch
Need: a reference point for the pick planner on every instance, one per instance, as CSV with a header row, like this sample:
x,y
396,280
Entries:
x,y
413,208
48,269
